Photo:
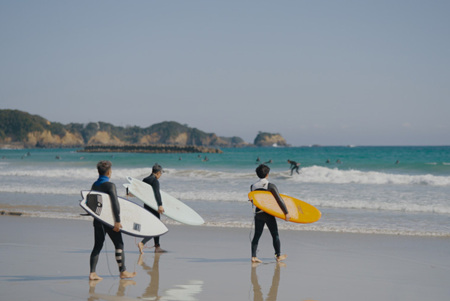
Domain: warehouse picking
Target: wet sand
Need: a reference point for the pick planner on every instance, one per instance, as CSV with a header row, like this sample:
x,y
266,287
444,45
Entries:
x,y
48,259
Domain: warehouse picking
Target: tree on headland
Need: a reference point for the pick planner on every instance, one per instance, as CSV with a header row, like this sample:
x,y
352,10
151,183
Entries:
x,y
35,131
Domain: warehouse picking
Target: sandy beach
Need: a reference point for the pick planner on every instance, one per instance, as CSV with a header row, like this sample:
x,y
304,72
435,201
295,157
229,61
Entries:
x,y
48,259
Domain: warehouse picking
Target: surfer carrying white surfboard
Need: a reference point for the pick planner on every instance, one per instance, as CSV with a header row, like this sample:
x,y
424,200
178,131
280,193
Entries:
x,y
262,218
153,180
100,230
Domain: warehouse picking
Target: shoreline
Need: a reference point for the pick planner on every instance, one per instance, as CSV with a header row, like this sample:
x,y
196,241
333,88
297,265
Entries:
x,y
206,263
74,215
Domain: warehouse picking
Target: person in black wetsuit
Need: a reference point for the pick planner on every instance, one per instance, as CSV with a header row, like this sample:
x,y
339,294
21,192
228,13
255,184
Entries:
x,y
153,180
294,166
100,230
262,218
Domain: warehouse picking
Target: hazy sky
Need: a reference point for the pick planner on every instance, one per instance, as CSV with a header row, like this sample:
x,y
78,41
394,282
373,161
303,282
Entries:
x,y
317,72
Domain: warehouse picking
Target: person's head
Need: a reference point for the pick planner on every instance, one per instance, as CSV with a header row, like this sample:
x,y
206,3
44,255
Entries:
x,y
262,171
157,170
104,168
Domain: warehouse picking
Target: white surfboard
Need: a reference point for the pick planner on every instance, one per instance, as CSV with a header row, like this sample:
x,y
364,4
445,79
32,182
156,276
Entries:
x,y
135,220
173,208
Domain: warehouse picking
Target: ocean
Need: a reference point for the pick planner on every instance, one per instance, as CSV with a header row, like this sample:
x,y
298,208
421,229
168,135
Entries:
x,y
371,190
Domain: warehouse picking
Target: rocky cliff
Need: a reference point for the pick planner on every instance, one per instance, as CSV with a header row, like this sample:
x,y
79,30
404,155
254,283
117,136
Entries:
x,y
268,139
21,129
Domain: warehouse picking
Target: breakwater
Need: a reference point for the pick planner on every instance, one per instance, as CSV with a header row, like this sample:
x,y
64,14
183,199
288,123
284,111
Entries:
x,y
157,148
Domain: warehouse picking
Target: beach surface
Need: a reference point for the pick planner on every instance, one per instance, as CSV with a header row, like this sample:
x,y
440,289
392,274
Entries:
x,y
48,259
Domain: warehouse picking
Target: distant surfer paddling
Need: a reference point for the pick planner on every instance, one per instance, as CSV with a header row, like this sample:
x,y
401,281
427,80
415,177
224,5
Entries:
x,y
262,218
100,230
153,180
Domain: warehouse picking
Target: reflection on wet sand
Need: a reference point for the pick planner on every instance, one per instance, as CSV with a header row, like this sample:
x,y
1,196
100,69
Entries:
x,y
273,292
179,292
120,295
152,290
185,292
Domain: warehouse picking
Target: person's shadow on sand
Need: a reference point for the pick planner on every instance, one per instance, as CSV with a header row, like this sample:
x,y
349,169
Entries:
x,y
273,292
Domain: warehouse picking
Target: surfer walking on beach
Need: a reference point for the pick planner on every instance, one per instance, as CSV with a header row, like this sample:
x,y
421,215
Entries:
x,y
262,218
294,166
153,180
100,230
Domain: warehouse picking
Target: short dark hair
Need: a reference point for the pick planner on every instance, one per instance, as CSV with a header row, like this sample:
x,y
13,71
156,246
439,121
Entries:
x,y
262,171
156,168
103,167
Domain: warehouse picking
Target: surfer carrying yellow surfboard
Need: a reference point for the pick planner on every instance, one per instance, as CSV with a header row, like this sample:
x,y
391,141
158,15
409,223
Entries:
x,y
262,218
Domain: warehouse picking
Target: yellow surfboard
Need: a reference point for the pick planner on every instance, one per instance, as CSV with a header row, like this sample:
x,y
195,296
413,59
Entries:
x,y
299,211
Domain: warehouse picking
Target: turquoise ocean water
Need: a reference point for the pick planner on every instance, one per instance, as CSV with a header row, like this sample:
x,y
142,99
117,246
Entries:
x,y
389,190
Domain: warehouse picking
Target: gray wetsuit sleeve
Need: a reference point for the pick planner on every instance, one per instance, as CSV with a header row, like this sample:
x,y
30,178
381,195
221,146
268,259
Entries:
x,y
274,190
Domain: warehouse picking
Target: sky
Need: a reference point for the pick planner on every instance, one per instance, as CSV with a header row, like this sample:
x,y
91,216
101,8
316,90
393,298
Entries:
x,y
316,72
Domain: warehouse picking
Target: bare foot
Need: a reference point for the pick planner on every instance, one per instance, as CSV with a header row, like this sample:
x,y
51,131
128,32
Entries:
x,y
94,276
141,247
159,250
281,257
256,259
126,274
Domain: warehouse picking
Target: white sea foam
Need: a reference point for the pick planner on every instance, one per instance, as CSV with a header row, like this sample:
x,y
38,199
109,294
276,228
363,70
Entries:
x,y
42,190
318,174
211,196
221,186
313,174
400,200
385,206
353,190
73,173
317,227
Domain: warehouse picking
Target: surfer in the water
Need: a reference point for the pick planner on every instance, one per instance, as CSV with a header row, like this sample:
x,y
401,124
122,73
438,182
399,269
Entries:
x,y
100,230
153,180
294,166
262,218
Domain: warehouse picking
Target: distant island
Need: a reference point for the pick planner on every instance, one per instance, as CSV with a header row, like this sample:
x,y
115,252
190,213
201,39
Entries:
x,y
22,130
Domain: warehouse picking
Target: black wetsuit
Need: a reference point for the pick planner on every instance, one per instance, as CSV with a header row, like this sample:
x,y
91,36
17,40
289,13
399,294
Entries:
x,y
262,218
294,166
153,181
100,230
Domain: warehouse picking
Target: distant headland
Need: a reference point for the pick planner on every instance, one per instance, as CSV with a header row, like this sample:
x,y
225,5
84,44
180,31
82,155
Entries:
x,y
22,130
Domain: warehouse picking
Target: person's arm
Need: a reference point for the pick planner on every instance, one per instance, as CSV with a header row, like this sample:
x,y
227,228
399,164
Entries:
x,y
112,192
153,181
157,194
274,190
